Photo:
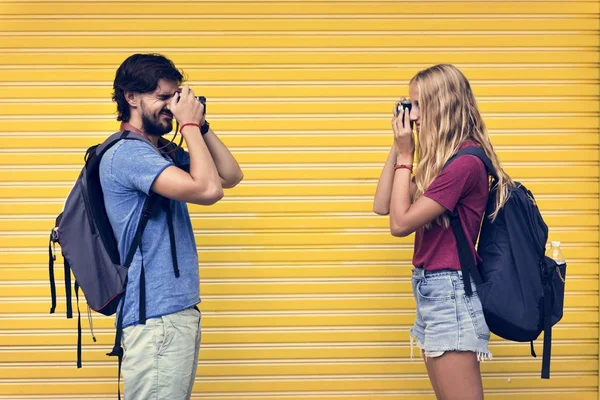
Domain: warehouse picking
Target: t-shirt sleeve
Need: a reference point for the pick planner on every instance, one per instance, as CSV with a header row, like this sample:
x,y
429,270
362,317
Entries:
x,y
136,165
455,180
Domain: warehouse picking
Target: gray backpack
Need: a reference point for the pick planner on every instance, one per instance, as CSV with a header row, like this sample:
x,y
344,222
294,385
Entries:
x,y
89,247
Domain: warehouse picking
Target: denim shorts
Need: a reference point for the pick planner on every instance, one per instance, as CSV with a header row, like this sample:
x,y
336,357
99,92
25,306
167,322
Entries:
x,y
447,319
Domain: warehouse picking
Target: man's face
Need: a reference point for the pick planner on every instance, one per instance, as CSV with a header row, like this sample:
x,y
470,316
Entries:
x,y
157,120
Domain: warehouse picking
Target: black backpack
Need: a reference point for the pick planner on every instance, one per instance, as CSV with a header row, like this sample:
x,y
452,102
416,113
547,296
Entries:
x,y
89,247
521,290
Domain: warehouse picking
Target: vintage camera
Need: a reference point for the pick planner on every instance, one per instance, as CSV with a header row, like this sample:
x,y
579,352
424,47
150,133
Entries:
x,y
202,100
403,105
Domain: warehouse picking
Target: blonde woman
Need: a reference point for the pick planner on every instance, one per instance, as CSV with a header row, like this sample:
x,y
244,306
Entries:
x,y
450,328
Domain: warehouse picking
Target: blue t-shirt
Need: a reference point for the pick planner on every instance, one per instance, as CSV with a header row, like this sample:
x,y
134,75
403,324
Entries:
x,y
127,171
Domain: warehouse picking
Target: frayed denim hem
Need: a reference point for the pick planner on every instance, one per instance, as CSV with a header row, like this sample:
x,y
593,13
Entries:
x,y
482,356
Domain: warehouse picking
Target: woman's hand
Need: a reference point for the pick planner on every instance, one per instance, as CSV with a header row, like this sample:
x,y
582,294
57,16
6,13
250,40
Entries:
x,y
404,140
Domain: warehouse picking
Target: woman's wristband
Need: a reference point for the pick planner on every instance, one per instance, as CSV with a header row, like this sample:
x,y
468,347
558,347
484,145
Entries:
x,y
403,166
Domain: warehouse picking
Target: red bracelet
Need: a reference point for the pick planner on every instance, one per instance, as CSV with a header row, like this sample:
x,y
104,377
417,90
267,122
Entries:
x,y
402,166
189,124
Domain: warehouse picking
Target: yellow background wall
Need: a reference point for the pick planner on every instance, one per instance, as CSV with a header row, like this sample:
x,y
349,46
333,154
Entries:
x,y
306,295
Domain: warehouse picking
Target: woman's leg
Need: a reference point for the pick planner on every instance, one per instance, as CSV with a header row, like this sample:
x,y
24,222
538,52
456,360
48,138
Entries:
x,y
452,334
456,376
432,377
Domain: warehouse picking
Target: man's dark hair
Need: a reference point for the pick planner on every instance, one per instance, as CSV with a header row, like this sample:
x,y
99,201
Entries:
x,y
140,73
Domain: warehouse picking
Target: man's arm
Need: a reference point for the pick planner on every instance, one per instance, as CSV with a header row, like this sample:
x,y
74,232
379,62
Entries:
x,y
202,185
227,166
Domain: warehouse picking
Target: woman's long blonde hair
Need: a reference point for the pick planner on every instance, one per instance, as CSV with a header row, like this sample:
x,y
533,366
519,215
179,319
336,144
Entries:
x,y
449,117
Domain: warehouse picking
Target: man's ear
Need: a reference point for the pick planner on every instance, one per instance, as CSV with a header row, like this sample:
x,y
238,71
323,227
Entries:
x,y
132,99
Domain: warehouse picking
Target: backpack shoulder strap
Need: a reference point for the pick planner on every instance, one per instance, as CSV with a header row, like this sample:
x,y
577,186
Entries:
x,y
166,148
479,153
151,204
110,142
468,266
113,139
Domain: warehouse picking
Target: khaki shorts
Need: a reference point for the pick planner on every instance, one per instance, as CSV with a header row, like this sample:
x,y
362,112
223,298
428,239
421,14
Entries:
x,y
161,357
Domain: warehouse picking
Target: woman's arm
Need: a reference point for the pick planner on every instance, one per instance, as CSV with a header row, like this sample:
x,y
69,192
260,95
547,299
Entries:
x,y
383,194
405,217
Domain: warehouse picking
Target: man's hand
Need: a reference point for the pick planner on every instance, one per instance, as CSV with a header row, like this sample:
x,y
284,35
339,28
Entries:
x,y
185,107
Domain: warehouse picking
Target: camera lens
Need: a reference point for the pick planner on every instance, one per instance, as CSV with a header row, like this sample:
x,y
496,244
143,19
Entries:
x,y
407,105
398,109
403,105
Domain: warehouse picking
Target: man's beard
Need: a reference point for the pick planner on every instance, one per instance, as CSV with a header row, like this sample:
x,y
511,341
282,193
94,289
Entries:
x,y
152,126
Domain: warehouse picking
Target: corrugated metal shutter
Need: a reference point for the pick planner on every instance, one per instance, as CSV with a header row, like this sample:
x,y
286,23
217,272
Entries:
x,y
306,295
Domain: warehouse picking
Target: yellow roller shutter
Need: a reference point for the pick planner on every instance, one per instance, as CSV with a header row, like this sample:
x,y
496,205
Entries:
x,y
305,293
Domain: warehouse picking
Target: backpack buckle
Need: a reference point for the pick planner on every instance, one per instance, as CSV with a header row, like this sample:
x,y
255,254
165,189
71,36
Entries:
x,y
54,235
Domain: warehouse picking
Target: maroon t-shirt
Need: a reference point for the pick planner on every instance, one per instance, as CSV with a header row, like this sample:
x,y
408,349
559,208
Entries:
x,y
463,186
